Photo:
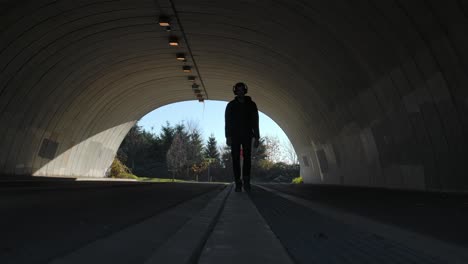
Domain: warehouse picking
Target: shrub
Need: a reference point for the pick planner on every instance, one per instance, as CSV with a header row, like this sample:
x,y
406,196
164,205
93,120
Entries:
x,y
298,180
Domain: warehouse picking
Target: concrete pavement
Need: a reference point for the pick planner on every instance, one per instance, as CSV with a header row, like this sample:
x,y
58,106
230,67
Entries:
x,y
201,223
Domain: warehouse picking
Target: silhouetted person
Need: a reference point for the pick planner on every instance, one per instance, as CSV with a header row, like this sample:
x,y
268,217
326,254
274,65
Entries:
x,y
241,119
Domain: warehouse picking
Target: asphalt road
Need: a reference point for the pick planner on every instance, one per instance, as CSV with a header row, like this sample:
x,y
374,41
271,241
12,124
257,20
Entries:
x,y
39,222
443,216
44,221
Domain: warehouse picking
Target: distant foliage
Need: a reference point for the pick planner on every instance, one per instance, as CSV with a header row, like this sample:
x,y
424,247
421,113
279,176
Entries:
x,y
179,151
298,180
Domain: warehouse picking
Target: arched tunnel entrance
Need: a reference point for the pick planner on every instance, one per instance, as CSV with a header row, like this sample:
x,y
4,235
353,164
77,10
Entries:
x,y
372,95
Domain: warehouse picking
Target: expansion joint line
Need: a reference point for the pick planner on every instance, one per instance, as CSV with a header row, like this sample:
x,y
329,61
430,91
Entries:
x,y
176,14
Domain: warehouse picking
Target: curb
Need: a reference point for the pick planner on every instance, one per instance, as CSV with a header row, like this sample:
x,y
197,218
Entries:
x,y
186,244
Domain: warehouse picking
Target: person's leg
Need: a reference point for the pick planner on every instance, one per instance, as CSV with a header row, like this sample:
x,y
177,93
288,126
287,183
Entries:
x,y
247,153
235,154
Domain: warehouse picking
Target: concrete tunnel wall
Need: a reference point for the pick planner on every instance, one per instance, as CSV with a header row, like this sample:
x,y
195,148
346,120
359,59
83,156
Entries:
x,y
370,93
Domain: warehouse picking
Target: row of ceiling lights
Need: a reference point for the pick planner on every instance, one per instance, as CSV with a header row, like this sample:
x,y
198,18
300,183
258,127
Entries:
x,y
164,21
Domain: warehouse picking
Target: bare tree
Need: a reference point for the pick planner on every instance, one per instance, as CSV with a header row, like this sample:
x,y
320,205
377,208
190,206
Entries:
x,y
290,153
193,126
273,149
177,155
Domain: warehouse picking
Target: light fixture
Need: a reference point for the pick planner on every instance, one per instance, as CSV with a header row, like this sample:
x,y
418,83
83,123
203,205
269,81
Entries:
x,y
197,91
164,21
191,78
195,86
187,68
180,56
201,100
168,29
173,41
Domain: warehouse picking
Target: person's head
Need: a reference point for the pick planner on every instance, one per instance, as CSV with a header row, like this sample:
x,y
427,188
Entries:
x,y
240,89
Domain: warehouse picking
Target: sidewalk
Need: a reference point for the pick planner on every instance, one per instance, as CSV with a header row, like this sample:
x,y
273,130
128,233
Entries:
x,y
242,236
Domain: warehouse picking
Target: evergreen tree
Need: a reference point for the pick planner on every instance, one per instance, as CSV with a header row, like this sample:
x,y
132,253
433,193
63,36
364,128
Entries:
x,y
181,130
166,137
134,146
211,150
226,162
195,147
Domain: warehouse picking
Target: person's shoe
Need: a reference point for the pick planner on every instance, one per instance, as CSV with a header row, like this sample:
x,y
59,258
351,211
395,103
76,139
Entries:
x,y
238,188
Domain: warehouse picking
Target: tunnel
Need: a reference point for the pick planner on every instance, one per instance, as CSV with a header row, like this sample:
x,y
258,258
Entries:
x,y
370,93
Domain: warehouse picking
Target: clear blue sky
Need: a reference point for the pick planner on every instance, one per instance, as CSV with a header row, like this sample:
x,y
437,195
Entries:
x,y
209,116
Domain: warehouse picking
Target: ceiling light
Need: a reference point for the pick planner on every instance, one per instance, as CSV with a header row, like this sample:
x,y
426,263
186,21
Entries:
x,y
192,78
168,29
195,86
201,100
197,91
187,69
164,21
180,56
173,41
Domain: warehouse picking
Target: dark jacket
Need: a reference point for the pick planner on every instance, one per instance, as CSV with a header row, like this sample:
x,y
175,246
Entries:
x,y
241,119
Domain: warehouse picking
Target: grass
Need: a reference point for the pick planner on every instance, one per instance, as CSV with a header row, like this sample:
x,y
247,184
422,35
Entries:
x,y
125,176
120,171
146,179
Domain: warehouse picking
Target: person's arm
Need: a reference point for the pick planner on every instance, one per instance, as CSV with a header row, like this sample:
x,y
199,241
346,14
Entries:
x,y
228,124
255,126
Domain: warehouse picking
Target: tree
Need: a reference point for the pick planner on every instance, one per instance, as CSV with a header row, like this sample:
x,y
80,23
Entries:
x,y
226,163
192,126
291,153
177,155
260,153
211,150
190,143
181,130
195,150
273,149
167,136
134,145
260,162
195,146
199,168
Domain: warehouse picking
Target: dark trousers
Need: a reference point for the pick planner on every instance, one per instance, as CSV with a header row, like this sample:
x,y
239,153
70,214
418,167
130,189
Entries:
x,y
246,144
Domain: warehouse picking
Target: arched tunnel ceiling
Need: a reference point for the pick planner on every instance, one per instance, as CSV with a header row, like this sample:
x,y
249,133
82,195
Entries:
x,y
370,93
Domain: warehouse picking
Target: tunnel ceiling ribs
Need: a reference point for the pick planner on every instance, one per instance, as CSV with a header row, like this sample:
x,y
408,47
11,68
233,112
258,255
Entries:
x,y
167,15
188,47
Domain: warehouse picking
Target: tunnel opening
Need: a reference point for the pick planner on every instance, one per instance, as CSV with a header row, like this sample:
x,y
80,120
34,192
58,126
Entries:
x,y
195,133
